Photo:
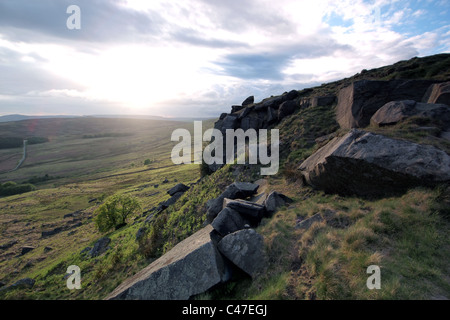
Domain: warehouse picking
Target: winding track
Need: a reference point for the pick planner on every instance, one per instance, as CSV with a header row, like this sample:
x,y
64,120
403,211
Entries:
x,y
24,156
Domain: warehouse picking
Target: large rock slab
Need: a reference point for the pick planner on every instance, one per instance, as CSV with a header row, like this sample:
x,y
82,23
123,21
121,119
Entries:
x,y
245,248
358,102
191,267
397,111
367,164
438,93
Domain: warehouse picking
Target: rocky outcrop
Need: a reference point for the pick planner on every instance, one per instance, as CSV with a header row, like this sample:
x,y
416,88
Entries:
x,y
368,164
245,248
438,93
397,111
209,256
358,102
191,267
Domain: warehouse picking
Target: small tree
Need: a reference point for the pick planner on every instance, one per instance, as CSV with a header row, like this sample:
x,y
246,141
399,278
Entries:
x,y
147,162
114,212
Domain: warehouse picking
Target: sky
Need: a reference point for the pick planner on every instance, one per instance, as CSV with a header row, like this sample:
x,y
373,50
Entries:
x,y
197,58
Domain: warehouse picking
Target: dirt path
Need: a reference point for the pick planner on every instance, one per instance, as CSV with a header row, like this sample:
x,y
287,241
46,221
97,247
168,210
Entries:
x,y
24,156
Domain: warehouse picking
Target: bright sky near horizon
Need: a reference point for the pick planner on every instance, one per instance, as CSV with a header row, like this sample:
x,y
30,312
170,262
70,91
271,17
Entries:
x,y
186,58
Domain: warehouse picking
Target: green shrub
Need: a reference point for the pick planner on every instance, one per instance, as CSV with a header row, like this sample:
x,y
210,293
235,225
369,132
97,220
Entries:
x,y
11,188
114,212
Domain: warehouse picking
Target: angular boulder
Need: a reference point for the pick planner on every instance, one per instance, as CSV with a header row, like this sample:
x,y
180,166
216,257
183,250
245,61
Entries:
x,y
369,164
274,201
397,111
249,100
245,248
249,210
233,191
193,266
358,102
287,108
438,93
228,221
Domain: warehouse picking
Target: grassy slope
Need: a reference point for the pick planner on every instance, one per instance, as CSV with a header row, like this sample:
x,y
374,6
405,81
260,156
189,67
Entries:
x,y
405,235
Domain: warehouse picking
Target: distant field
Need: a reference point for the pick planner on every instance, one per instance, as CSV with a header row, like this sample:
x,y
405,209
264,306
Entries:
x,y
86,147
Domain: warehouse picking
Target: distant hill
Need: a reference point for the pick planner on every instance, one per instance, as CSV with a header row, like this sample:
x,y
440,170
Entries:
x,y
20,117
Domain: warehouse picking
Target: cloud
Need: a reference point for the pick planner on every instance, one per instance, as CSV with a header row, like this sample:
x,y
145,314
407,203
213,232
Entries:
x,y
101,21
198,57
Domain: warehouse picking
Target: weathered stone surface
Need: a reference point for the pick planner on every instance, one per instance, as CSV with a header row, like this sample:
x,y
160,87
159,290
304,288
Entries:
x,y
397,111
100,247
233,191
191,267
178,188
229,122
251,121
287,108
305,103
438,93
236,108
358,102
323,101
228,221
249,210
274,201
249,100
245,248
273,102
272,115
366,164
307,223
291,95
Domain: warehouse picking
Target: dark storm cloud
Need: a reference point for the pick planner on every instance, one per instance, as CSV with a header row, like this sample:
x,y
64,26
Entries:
x,y
101,21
